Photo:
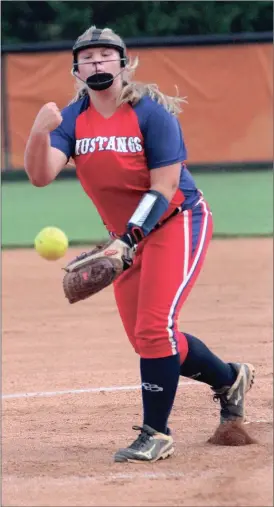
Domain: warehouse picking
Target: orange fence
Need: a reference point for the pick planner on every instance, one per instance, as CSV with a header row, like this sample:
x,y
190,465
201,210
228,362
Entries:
x,y
228,118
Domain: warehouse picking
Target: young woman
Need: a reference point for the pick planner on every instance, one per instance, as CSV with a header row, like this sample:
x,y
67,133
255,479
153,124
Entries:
x,y
130,158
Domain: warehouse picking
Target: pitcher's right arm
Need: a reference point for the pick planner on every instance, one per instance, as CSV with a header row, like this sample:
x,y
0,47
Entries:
x,y
42,161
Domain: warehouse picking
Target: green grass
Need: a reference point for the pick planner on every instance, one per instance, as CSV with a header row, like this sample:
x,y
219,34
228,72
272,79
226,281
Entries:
x,y
242,205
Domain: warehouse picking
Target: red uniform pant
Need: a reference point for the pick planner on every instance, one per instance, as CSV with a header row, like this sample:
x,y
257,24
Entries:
x,y
152,292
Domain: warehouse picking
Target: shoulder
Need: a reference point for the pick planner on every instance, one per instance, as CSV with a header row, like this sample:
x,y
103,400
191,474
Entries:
x,y
146,106
163,138
150,111
70,112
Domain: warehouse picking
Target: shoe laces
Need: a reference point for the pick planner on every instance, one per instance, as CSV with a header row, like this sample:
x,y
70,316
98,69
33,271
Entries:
x,y
221,395
142,439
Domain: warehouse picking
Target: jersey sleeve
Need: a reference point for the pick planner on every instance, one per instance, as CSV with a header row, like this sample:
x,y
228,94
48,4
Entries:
x,y
63,137
163,139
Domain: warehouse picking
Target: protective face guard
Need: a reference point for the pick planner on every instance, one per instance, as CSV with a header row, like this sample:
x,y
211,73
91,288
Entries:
x,y
96,43
100,81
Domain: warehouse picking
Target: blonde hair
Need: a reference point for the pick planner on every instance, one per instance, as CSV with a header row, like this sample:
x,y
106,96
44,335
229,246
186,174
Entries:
x,y
132,91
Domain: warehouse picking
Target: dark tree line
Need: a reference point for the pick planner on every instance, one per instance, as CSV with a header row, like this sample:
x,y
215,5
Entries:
x,y
65,20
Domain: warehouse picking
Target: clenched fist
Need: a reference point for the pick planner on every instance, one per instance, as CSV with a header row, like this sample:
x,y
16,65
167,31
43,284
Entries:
x,y
48,118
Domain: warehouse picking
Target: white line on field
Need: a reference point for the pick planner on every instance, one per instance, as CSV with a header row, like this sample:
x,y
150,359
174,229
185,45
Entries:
x,y
131,476
112,389
268,421
111,477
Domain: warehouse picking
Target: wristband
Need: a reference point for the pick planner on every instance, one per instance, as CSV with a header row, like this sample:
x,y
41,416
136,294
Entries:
x,y
146,216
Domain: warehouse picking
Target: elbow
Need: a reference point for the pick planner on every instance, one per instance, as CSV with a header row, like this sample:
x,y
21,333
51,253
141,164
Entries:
x,y
38,181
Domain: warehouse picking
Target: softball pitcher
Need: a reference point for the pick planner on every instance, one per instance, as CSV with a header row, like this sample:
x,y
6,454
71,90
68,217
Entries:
x,y
130,158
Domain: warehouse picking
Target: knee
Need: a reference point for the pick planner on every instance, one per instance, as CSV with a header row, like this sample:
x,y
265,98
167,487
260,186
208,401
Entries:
x,y
153,341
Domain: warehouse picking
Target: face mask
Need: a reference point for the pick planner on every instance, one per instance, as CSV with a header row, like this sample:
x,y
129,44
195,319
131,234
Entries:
x,y
100,80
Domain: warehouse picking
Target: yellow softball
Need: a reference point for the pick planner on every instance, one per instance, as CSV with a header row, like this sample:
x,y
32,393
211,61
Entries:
x,y
51,243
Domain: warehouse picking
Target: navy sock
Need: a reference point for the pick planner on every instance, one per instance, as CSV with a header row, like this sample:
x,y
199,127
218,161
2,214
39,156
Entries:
x,y
160,379
202,365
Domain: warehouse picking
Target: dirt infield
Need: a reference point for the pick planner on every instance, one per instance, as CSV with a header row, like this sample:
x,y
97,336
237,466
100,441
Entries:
x,y
58,446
